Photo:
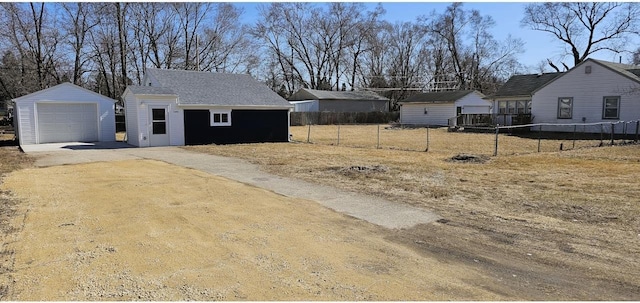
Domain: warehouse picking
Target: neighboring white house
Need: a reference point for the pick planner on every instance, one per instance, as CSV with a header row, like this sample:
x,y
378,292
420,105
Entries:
x,y
512,102
64,113
437,108
592,91
176,107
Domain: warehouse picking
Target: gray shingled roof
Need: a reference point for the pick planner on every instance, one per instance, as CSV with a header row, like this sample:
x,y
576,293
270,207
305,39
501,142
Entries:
x,y
207,88
438,97
151,90
313,94
524,85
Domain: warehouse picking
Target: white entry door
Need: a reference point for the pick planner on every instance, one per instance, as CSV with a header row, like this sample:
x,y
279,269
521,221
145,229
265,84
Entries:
x,y
159,134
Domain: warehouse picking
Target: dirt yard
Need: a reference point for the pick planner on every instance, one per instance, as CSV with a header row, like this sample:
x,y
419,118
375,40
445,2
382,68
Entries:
x,y
147,230
548,226
553,226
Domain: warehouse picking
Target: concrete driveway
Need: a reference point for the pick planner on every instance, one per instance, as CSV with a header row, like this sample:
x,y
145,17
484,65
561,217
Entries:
x,y
372,209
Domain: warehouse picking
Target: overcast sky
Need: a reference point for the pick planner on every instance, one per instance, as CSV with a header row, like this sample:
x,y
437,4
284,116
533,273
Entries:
x,y
507,15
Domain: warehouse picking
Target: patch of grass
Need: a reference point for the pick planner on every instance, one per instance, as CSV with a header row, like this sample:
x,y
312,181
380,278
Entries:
x,y
11,158
439,139
585,198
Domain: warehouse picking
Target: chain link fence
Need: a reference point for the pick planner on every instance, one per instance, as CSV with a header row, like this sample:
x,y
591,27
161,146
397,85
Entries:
x,y
502,140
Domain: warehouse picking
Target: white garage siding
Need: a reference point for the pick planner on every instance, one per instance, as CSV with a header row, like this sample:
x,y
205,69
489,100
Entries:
x,y
474,104
436,114
67,122
131,118
32,108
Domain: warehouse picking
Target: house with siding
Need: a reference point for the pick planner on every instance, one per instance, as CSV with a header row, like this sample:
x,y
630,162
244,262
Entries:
x,y
592,91
442,108
513,100
177,107
339,101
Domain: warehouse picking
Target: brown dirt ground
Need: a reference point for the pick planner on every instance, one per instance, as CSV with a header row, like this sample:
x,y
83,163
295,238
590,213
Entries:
x,y
551,226
147,230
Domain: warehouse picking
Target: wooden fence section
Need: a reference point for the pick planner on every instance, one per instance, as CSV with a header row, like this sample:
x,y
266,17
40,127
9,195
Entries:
x,y
331,118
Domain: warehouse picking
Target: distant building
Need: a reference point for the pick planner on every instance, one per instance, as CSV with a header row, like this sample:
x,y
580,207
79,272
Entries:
x,y
338,101
442,108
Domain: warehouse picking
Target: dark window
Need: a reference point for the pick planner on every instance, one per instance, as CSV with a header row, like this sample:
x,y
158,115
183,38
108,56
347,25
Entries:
x,y
220,118
159,128
565,108
511,107
157,113
502,107
159,122
611,108
522,107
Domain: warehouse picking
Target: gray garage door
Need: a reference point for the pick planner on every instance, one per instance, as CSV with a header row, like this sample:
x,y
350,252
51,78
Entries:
x,y
67,122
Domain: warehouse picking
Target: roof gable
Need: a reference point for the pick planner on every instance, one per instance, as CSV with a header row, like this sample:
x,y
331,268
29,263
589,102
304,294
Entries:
x,y
62,87
207,88
439,97
313,94
625,70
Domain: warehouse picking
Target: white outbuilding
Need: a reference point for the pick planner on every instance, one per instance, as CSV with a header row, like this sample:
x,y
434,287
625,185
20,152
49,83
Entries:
x,y
64,113
442,108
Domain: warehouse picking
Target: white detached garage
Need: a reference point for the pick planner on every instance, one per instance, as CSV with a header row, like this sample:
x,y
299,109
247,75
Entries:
x,y
64,113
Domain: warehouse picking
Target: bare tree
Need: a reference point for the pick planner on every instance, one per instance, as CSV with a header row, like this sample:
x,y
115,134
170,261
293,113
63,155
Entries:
x,y
33,32
78,19
465,53
226,46
584,27
191,18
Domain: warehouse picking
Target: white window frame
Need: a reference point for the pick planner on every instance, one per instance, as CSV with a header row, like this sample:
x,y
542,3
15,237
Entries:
x,y
570,102
221,112
604,107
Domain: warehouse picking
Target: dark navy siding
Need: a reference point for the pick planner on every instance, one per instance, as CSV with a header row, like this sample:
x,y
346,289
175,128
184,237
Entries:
x,y
247,126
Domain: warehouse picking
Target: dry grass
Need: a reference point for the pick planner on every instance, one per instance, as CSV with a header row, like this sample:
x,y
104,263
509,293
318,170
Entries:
x,y
440,140
120,136
574,209
11,158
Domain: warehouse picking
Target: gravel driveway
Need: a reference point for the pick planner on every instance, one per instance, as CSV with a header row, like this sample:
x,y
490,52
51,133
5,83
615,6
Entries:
x,y
372,209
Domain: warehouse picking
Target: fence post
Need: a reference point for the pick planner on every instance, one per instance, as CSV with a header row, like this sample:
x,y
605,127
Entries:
x,y
495,151
427,149
574,136
378,145
624,132
601,134
637,126
539,136
309,133
338,144
612,132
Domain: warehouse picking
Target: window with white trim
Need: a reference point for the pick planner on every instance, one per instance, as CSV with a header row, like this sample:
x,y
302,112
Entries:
x,y
565,108
514,107
611,107
220,117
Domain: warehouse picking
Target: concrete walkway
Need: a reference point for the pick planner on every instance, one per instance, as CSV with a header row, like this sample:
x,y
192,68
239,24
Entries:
x,y
372,209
